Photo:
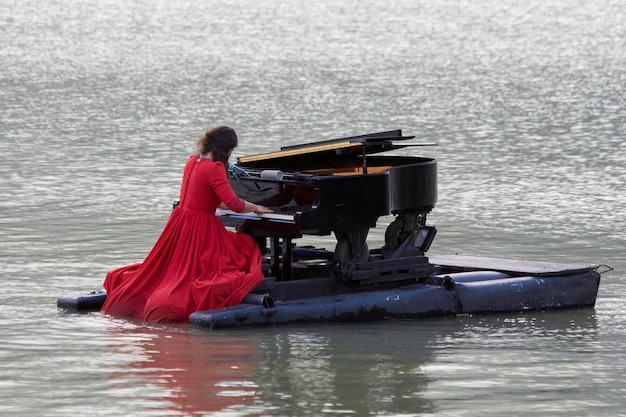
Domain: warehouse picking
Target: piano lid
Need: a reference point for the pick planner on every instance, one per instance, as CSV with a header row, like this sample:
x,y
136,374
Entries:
x,y
350,146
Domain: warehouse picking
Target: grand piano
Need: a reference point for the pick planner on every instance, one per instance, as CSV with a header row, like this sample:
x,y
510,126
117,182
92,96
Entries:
x,y
342,187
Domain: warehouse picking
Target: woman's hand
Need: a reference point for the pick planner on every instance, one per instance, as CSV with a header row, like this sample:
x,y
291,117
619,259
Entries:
x,y
259,209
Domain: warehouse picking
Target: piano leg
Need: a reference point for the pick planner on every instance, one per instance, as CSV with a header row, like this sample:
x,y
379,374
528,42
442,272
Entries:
x,y
275,250
351,249
402,227
287,259
282,257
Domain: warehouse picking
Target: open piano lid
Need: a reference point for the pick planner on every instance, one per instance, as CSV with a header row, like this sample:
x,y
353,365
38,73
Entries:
x,y
329,149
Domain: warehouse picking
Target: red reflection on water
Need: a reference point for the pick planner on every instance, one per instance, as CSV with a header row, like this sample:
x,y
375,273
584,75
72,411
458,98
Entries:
x,y
196,373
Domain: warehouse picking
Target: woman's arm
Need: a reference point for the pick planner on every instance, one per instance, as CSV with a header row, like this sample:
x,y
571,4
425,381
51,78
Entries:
x,y
230,201
249,207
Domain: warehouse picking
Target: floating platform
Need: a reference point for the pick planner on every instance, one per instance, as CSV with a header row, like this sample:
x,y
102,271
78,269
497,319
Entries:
x,y
461,285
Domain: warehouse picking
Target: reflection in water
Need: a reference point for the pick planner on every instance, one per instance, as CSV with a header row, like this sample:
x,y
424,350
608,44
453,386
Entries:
x,y
407,368
336,371
540,358
271,371
185,372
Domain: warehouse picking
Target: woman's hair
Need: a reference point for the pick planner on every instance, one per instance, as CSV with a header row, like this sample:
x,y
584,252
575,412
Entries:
x,y
218,140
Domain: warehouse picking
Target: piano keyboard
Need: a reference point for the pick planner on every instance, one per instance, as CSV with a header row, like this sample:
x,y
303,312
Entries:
x,y
273,217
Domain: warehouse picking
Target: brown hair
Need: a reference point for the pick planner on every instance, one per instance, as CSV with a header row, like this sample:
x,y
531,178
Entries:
x,y
218,140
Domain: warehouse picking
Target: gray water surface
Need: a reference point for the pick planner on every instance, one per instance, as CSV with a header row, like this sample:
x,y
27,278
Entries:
x,y
101,102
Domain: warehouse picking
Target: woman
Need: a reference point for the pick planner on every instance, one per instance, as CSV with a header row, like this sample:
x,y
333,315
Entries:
x,y
196,264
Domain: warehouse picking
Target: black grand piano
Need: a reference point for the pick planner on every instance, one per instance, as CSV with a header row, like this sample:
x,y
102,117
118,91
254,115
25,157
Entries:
x,y
341,186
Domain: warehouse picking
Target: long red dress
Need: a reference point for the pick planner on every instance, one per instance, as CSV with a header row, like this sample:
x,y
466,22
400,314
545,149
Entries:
x,y
196,264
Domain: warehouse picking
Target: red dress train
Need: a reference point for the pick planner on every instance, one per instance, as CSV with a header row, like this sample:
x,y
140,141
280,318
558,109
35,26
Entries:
x,y
196,264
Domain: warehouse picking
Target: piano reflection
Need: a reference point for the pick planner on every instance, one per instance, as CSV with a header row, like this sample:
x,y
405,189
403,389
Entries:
x,y
341,187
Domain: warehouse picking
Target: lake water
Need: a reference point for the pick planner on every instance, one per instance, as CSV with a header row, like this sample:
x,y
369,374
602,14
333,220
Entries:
x,y
101,102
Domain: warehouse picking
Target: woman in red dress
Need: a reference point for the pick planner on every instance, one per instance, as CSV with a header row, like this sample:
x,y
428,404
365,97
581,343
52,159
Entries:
x,y
196,264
